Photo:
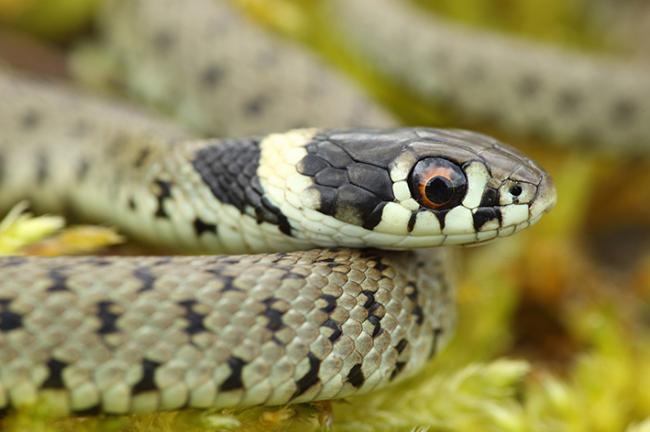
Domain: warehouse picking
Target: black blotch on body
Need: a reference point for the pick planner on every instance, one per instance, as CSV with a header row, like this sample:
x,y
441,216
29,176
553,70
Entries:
x,y
374,259
529,86
55,374
227,280
380,266
437,332
201,227
233,382
144,275
97,261
485,214
83,166
142,156
623,112
58,279
131,204
401,346
568,101
399,367
256,105
11,261
9,320
229,169
274,316
30,119
194,319
91,411
163,193
148,380
355,376
42,167
335,327
372,307
310,378
331,303
412,294
107,318
375,320
291,275
212,76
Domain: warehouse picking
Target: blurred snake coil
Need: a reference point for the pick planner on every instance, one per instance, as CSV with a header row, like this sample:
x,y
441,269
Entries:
x,y
521,87
301,317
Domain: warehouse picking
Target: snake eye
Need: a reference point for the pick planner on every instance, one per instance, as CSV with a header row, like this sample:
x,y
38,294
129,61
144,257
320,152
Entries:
x,y
438,183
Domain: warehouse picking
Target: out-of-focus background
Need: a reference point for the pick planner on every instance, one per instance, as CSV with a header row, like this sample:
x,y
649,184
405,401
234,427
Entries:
x,y
554,323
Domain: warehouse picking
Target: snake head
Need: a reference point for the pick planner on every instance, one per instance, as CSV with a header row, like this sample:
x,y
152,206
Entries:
x,y
409,187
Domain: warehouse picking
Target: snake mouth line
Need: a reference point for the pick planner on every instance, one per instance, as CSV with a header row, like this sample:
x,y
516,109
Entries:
x,y
468,239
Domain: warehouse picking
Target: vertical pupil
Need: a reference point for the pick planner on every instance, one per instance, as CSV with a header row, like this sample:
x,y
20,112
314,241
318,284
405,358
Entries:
x,y
439,190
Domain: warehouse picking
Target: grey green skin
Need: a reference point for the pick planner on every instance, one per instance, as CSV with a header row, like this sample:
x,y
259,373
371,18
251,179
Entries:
x,y
520,86
120,335
244,81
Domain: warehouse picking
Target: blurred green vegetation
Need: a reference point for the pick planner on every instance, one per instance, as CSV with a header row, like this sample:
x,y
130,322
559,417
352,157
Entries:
x,y
57,20
564,22
553,331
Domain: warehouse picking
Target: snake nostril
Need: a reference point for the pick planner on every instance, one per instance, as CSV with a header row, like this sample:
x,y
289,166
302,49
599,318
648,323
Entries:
x,y
515,190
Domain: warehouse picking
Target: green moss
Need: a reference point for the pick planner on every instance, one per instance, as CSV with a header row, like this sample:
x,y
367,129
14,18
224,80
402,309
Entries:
x,y
51,19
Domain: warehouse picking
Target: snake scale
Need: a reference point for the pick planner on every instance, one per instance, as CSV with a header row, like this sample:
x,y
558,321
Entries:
x,y
332,286
510,84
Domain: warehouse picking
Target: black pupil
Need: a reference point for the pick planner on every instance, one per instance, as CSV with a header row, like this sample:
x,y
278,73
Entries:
x,y
515,190
439,190
438,183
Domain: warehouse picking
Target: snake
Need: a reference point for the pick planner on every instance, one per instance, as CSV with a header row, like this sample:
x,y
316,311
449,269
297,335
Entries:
x,y
510,85
153,45
312,270
549,93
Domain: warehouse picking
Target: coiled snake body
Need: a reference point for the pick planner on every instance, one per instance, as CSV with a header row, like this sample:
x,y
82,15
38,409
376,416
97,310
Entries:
x,y
507,83
132,334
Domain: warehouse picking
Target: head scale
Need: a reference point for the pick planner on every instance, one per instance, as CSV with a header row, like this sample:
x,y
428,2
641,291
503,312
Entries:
x,y
412,187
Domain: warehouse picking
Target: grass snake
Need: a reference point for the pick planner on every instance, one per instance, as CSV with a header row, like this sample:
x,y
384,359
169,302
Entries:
x,y
329,285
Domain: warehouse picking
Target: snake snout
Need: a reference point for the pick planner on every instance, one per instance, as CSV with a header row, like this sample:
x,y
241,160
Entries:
x,y
546,198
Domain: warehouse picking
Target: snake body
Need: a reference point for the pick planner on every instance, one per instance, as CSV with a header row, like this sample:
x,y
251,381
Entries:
x,y
520,86
517,86
295,322
245,80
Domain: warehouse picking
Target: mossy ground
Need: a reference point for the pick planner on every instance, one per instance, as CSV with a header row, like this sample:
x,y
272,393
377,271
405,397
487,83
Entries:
x,y
553,331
